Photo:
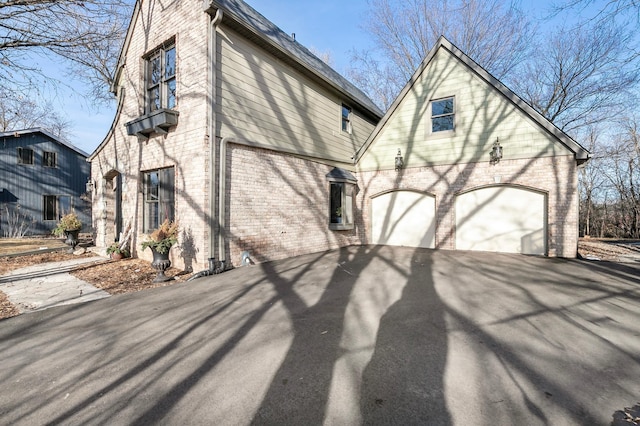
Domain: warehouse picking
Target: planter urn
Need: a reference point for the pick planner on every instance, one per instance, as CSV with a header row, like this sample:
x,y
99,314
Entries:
x,y
71,239
160,263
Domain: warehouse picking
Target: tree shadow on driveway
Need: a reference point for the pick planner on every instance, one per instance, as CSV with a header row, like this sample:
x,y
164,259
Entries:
x,y
403,382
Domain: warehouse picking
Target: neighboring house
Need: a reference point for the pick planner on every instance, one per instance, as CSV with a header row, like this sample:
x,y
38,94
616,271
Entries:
x,y
44,176
253,144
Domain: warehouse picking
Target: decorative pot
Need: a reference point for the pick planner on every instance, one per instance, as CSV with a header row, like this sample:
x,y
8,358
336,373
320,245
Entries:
x,y
116,256
160,263
71,239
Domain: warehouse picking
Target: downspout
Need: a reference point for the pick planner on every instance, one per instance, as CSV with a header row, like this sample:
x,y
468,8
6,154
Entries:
x,y
222,201
213,121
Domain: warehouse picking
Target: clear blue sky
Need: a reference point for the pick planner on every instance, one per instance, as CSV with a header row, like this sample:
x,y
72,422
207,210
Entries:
x,y
332,26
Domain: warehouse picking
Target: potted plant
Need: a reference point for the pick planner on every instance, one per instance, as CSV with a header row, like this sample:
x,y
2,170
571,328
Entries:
x,y
338,215
160,242
69,225
116,252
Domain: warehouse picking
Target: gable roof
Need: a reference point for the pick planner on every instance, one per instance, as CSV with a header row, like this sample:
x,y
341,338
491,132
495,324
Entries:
x,y
581,154
18,133
242,17
249,22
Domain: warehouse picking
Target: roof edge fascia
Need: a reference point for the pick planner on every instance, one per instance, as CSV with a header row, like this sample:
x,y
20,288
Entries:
x,y
125,47
211,5
398,100
47,134
580,153
111,130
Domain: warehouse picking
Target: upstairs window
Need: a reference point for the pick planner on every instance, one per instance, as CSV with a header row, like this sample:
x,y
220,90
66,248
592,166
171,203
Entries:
x,y
442,115
342,192
158,198
346,119
49,159
161,79
25,156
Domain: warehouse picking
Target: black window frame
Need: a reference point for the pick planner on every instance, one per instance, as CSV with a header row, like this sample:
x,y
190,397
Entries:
x,y
342,199
346,118
45,155
160,78
21,156
159,197
54,206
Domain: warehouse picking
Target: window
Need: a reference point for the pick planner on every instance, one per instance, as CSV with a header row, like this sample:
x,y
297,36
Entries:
x,y
55,206
49,159
442,114
346,119
161,79
25,156
342,191
158,198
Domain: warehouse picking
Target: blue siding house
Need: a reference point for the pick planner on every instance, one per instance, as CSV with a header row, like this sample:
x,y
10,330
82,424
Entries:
x,y
45,177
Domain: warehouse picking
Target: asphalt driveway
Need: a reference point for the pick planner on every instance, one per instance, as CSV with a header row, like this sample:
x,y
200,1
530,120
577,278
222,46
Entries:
x,y
361,335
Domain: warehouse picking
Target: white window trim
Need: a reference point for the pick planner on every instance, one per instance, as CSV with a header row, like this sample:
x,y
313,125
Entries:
x,y
444,133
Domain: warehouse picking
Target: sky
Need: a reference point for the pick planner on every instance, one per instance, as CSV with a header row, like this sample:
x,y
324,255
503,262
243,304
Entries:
x,y
333,26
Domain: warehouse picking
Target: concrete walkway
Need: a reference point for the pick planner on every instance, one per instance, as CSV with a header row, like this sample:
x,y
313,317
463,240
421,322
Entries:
x,y
47,285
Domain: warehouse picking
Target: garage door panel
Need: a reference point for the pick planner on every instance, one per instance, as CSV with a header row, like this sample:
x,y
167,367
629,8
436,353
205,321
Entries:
x,y
403,218
501,219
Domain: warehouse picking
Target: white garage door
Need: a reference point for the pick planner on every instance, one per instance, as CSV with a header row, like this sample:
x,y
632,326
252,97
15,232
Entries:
x,y
403,218
502,219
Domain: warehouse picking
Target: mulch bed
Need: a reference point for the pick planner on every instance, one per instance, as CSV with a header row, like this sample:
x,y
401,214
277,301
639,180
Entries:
x,y
126,276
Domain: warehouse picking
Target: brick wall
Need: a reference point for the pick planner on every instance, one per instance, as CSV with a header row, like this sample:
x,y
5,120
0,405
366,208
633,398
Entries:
x,y
279,206
554,175
185,147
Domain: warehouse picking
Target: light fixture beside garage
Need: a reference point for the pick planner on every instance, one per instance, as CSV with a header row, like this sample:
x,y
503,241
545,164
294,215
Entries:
x,y
399,161
496,152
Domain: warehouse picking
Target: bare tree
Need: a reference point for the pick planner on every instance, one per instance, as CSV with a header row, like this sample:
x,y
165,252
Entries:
x,y
581,76
590,183
605,9
624,175
19,112
88,33
495,33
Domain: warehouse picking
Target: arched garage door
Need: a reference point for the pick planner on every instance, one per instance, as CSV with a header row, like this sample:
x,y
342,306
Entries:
x,y
403,218
502,219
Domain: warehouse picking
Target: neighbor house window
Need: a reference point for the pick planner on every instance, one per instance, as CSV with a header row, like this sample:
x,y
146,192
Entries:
x,y
25,156
161,79
346,119
342,191
158,198
55,206
442,115
49,159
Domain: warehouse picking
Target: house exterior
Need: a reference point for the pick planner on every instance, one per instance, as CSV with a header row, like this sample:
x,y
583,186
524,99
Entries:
x,y
452,191
44,176
258,148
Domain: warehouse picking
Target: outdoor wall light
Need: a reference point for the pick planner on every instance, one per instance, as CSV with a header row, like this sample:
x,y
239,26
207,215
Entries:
x,y
89,186
496,152
399,160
